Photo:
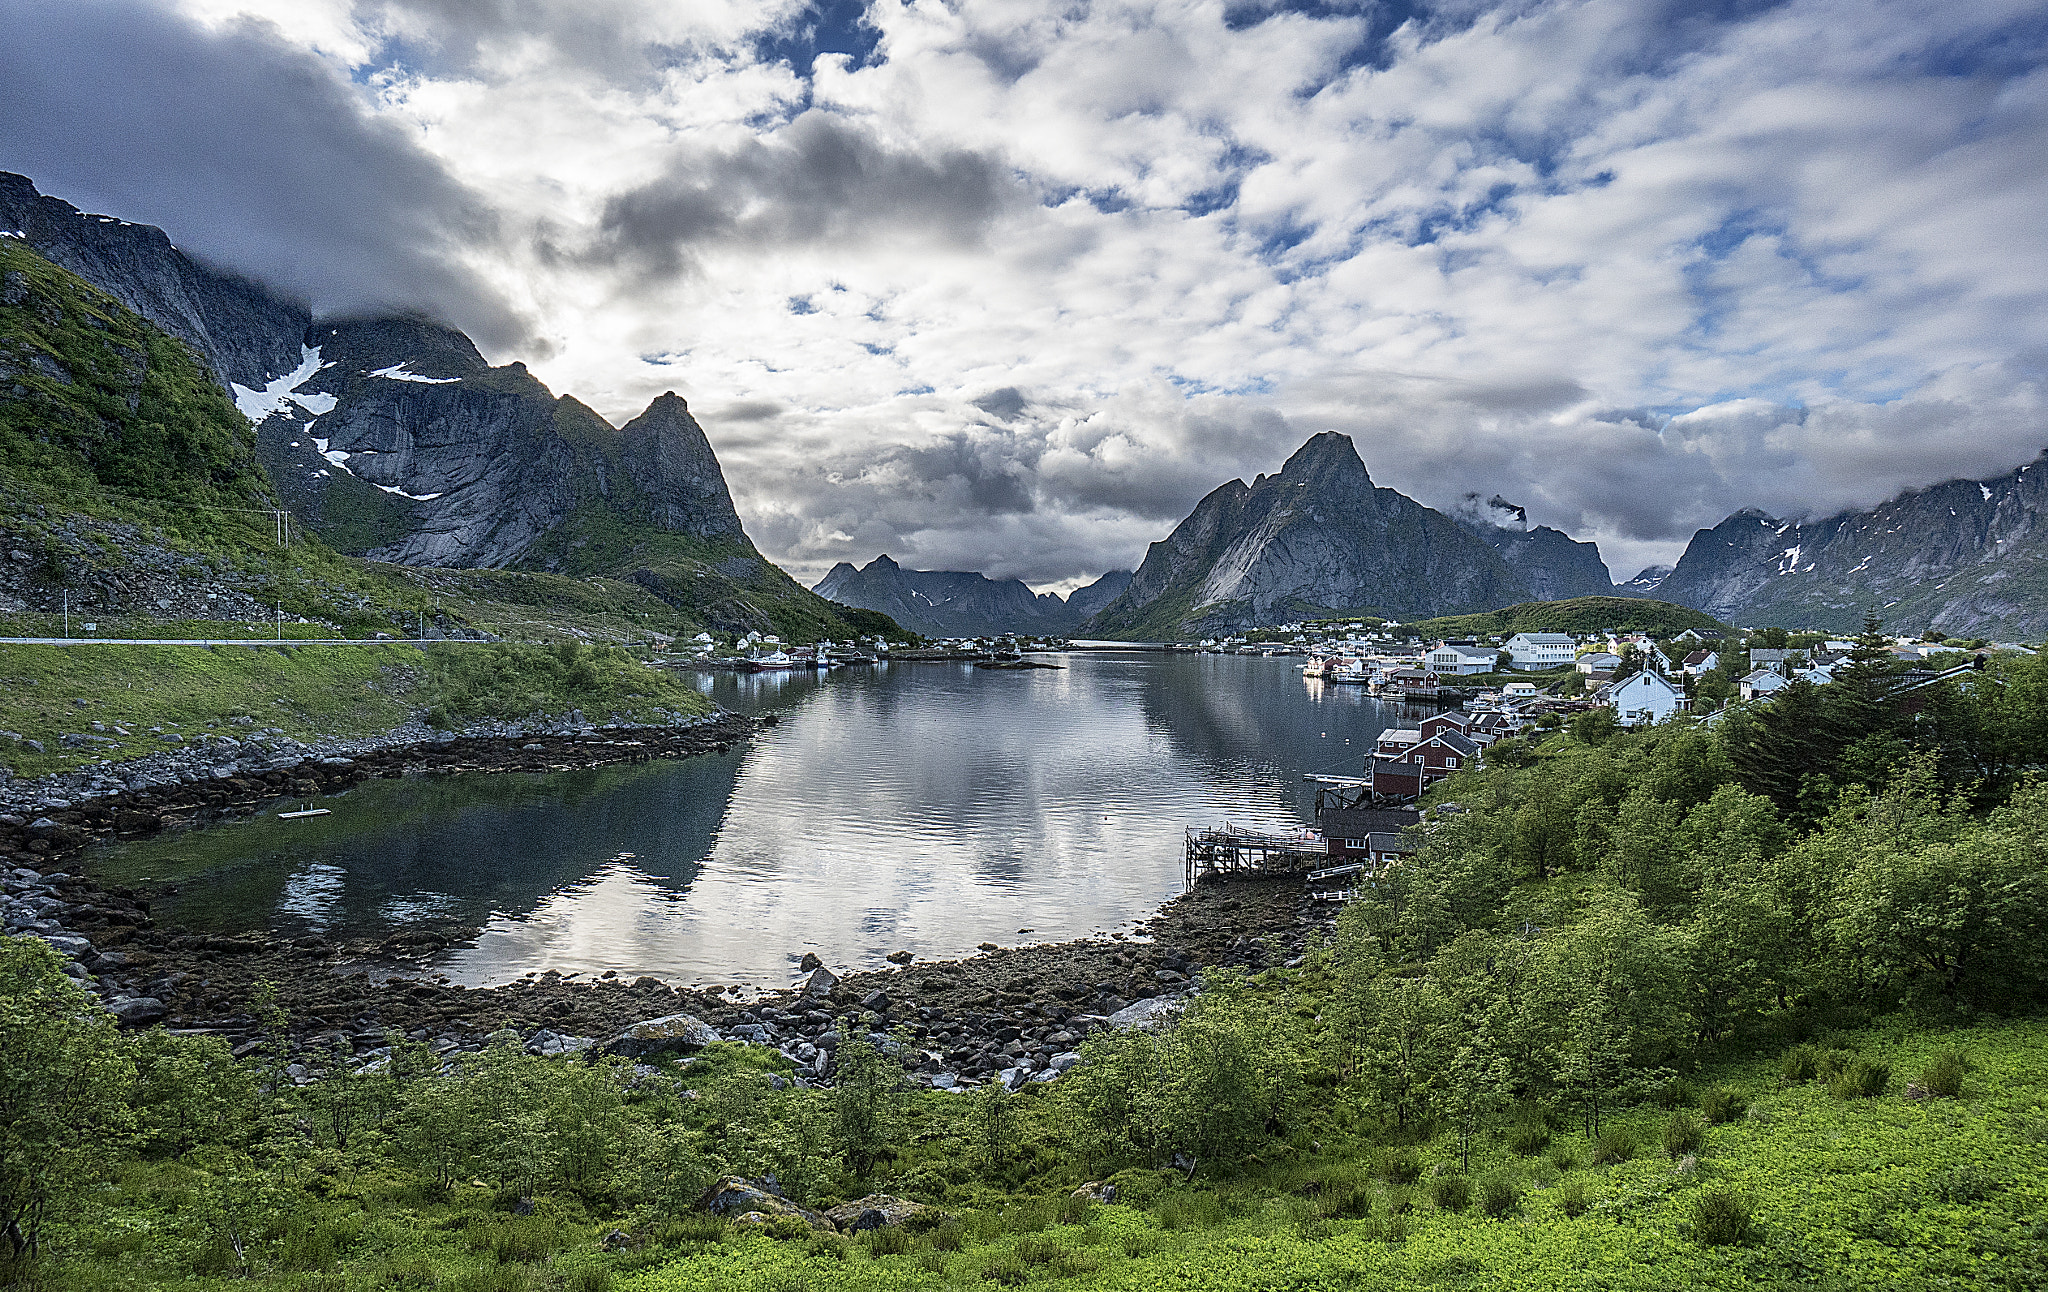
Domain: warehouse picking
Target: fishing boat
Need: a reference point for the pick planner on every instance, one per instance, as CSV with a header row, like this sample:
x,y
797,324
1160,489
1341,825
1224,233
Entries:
x,y
1316,667
1349,669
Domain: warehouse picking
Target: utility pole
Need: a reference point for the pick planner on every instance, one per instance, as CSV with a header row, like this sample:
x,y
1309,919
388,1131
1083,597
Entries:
x,y
67,616
280,621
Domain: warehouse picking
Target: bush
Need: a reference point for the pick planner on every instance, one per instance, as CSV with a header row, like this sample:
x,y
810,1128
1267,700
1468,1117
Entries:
x,y
1528,1138
1006,1271
889,1240
1573,1196
1675,1093
1720,1217
1829,1064
1944,1076
950,1236
1076,1209
828,1247
1400,1165
1860,1079
1722,1104
1616,1144
1498,1197
502,1278
1966,1183
1451,1192
1800,1064
1684,1133
1565,1158
591,1278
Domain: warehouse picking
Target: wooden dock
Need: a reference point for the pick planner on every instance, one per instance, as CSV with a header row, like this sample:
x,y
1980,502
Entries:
x,y
1231,853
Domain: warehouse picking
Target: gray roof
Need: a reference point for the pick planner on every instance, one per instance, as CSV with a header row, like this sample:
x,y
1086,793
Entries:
x,y
1379,842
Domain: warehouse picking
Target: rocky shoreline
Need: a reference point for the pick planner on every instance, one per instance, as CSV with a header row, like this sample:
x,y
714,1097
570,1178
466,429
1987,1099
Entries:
x,y
1013,1014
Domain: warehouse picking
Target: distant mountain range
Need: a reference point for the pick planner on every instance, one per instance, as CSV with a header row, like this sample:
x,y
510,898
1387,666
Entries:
x,y
393,439
956,603
1968,557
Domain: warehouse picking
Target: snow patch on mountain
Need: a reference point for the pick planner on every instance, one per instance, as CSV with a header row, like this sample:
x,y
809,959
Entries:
x,y
404,372
259,404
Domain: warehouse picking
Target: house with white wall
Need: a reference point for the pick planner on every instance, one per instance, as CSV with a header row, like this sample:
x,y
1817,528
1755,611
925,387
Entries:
x,y
1531,651
1643,698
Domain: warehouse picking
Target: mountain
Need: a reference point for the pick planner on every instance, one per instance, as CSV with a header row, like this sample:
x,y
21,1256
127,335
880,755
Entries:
x,y
394,440
1317,539
243,332
957,603
1551,563
1969,557
1646,583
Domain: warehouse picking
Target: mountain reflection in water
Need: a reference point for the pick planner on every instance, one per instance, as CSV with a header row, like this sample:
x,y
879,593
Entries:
x,y
922,807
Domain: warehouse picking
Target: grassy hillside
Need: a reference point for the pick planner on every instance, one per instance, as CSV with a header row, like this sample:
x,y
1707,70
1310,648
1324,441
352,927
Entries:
x,y
1576,615
134,697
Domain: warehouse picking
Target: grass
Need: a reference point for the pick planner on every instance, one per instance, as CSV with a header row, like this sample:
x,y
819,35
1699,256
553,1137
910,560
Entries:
x,y
308,691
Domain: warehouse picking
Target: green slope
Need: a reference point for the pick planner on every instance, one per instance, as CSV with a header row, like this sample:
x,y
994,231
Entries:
x,y
1575,615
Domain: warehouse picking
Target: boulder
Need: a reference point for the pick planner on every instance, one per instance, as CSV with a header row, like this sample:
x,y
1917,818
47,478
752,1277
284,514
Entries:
x,y
877,1211
810,962
745,1202
1147,1014
672,1034
1096,1191
821,982
137,1010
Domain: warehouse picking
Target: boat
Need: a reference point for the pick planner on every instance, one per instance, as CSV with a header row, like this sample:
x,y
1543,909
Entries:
x,y
773,662
302,813
1348,669
1317,665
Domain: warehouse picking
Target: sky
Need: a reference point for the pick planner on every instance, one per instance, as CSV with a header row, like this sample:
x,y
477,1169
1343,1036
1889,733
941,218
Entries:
x,y
1008,285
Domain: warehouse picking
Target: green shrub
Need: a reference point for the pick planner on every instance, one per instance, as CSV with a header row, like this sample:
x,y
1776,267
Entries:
x,y
408,1274
1189,1211
1860,1078
1800,1064
889,1240
1615,1144
1573,1195
1528,1138
1965,1183
1675,1093
1068,1263
1565,1158
1400,1165
1829,1064
1137,1243
1722,1104
591,1278
1944,1076
828,1247
502,1278
692,1230
950,1236
1498,1197
1030,1217
1400,1200
1684,1133
931,1261
1076,1209
1006,1271
1350,1201
1720,1217
1451,1192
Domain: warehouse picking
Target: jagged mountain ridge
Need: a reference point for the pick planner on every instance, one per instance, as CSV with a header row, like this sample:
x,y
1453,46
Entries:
x,y
1968,557
394,439
1555,565
961,603
1317,538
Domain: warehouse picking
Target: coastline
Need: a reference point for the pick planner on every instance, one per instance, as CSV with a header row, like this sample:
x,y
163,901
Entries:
x,y
1005,1013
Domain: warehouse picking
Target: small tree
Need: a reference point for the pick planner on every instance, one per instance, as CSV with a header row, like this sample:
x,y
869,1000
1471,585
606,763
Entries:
x,y
64,1085
865,1111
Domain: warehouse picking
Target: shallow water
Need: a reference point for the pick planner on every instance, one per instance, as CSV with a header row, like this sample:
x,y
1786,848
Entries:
x,y
922,807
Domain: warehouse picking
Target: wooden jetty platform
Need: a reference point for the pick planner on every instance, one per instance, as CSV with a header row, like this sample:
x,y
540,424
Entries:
x,y
1231,853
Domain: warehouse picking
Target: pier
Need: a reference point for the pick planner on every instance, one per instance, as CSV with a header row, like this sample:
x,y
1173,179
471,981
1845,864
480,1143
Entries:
x,y
1231,853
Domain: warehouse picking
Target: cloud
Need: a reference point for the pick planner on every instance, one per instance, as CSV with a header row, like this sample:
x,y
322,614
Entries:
x,y
1009,287
251,151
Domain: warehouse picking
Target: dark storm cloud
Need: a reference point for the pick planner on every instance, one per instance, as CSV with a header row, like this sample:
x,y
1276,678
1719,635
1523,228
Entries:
x,y
251,153
820,179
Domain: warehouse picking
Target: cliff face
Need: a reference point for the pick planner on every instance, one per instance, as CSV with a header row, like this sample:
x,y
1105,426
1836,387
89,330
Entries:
x,y
1318,538
1969,557
245,333
1554,565
958,603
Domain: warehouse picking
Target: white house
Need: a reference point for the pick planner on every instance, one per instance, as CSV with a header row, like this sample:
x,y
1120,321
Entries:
x,y
1450,658
1643,698
1541,650
1763,681
1599,662
1701,661
1520,690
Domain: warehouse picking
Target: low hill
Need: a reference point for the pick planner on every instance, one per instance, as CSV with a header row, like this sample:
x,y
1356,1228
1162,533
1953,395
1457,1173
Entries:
x,y
1575,615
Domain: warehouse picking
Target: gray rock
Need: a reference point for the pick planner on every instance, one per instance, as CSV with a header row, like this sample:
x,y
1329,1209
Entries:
x,y
821,982
136,1010
1148,1014
672,1034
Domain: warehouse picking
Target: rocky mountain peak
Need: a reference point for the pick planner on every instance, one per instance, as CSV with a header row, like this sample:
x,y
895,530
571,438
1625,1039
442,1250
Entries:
x,y
669,457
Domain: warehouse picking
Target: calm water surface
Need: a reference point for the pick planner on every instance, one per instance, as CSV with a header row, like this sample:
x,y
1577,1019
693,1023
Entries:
x,y
924,807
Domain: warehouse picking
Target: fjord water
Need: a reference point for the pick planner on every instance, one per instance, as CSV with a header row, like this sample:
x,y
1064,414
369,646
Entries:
x,y
919,807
